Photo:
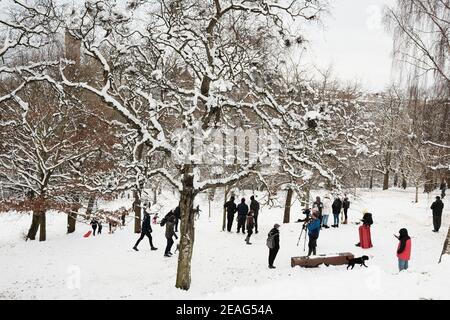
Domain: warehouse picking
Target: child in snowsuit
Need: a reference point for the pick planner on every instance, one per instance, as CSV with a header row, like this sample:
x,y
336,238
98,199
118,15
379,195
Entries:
x,y
403,250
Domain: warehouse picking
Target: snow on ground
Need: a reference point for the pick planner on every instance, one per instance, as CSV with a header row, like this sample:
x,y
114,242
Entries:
x,y
223,267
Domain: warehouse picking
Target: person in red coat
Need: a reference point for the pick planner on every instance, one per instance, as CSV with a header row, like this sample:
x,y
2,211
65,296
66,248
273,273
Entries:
x,y
403,249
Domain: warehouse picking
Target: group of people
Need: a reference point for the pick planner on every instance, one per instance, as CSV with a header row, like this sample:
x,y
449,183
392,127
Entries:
x,y
96,225
247,217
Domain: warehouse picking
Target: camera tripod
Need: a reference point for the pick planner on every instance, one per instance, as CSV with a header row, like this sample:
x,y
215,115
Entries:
x,y
300,237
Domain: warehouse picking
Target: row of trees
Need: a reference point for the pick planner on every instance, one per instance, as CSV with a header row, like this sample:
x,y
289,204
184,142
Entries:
x,y
93,97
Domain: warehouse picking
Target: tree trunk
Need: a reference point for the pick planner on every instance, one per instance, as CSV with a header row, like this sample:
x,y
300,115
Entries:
x,y
224,220
417,193
137,212
446,247
287,206
90,206
386,180
155,194
371,180
42,227
34,226
187,228
404,183
395,179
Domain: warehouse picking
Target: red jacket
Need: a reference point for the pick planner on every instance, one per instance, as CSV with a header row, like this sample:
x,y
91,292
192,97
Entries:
x,y
406,254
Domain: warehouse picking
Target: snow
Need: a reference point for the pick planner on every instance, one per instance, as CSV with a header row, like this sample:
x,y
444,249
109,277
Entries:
x,y
223,267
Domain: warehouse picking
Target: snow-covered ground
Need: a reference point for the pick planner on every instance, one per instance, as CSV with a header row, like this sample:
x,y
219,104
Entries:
x,y
224,267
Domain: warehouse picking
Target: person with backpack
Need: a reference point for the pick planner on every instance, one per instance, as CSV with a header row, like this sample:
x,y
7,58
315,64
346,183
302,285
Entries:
x,y
437,207
250,224
170,233
231,208
94,225
345,206
254,206
313,227
337,207
242,210
273,243
146,231
403,249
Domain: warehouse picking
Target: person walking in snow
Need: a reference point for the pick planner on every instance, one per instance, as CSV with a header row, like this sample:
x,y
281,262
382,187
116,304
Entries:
x,y
345,206
437,208
250,224
273,242
231,208
99,226
403,249
326,210
94,225
254,205
242,210
319,205
146,230
336,207
170,233
313,232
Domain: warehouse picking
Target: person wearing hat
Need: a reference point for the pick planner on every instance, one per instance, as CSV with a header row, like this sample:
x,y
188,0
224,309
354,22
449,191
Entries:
x,y
313,232
274,235
437,208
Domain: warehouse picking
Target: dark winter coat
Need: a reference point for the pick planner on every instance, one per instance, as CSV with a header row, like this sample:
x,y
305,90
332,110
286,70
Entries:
x,y
177,212
346,203
319,206
276,237
367,219
250,222
337,206
170,226
437,208
254,205
242,209
231,207
146,224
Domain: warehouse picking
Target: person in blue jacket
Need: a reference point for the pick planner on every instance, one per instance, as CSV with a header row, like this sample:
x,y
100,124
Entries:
x,y
313,233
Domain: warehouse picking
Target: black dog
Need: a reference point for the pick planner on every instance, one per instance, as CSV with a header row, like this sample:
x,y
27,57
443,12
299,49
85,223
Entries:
x,y
360,261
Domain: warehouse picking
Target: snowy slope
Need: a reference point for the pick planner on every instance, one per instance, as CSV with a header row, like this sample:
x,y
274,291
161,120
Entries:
x,y
105,267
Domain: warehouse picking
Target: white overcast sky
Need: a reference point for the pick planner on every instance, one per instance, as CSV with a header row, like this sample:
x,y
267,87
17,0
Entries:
x,y
355,42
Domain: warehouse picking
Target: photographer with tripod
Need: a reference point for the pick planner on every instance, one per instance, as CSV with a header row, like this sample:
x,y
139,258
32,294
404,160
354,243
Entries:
x,y
313,226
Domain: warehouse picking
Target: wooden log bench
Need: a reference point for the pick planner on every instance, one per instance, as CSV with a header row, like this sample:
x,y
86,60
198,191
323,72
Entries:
x,y
337,259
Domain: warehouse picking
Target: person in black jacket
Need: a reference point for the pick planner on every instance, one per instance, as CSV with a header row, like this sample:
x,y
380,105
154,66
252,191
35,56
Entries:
x,y
275,234
437,208
346,206
94,225
231,208
177,214
242,210
254,206
336,207
146,230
